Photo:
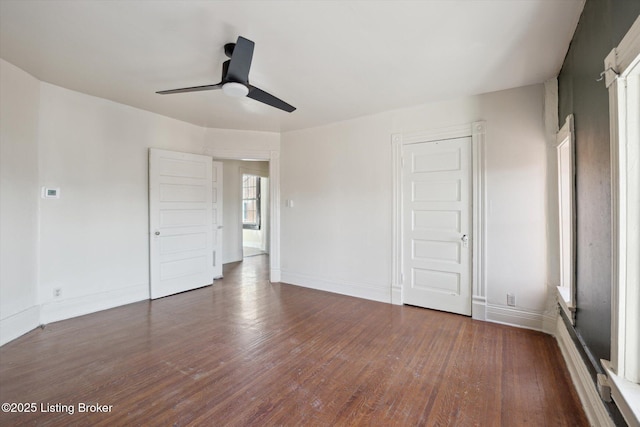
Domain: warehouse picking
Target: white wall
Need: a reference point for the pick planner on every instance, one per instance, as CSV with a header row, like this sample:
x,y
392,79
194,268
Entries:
x,y
19,197
338,234
92,243
227,143
232,212
516,156
94,239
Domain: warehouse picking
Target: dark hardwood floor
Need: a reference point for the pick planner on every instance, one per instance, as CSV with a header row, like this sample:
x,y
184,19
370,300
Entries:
x,y
246,352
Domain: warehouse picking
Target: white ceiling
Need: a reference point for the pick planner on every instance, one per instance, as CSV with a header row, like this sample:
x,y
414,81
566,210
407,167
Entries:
x,y
333,60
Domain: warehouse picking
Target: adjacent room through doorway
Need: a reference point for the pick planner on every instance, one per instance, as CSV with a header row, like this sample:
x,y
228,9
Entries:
x,y
255,212
247,208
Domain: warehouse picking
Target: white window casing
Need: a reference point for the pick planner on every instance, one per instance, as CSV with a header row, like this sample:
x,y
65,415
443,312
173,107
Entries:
x,y
566,294
622,77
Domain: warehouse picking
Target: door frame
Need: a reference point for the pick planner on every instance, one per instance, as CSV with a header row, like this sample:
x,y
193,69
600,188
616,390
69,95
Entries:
x,y
218,231
273,157
476,131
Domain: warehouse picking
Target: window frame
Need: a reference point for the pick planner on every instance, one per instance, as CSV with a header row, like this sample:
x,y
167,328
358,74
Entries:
x,y
565,144
257,224
622,65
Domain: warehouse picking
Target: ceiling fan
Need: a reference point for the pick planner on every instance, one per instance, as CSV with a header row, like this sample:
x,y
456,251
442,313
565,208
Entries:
x,y
235,77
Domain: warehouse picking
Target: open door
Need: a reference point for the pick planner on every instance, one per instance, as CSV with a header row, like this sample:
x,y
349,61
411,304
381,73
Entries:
x,y
180,222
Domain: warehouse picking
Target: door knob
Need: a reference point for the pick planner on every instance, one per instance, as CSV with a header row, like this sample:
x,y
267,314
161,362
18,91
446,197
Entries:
x,y
157,233
465,240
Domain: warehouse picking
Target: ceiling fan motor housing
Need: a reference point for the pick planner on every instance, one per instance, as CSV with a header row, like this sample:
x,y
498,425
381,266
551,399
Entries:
x,y
234,89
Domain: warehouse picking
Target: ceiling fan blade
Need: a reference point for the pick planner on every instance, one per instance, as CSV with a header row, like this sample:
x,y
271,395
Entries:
x,y
240,64
191,89
267,98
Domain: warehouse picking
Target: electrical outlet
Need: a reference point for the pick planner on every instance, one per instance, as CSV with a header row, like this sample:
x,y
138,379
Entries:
x,y
57,292
511,300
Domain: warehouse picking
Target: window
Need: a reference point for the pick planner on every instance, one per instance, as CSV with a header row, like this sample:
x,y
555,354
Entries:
x,y
251,202
566,204
622,77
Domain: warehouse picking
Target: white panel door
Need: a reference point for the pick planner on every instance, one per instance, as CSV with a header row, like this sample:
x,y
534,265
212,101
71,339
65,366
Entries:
x,y
216,214
180,224
436,225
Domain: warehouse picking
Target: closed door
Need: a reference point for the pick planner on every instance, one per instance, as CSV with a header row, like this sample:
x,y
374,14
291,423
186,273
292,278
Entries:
x,y
180,222
436,225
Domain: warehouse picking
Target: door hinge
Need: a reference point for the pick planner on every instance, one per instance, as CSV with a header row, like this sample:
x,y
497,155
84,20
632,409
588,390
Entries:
x,y
214,258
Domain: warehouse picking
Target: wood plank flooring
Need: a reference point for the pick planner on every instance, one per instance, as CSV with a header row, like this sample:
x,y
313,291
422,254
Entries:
x,y
245,352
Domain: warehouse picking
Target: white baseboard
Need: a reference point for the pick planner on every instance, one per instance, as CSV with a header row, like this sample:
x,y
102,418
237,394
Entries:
x,y
479,308
52,311
514,316
591,402
396,294
275,275
359,290
19,324
549,320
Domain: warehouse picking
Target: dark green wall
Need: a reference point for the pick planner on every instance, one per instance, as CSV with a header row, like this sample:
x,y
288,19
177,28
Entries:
x,y
602,25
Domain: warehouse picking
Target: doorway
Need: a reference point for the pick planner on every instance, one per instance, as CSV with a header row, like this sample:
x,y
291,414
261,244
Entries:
x,y
272,158
438,219
255,210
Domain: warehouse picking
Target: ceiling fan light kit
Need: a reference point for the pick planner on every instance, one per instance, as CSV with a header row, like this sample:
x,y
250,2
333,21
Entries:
x,y
235,90
235,77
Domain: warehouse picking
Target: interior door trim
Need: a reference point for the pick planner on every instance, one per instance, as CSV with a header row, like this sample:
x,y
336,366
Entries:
x,y
273,157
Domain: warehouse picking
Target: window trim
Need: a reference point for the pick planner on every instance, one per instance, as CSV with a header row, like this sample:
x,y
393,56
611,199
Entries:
x,y
623,370
566,291
257,224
